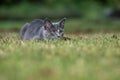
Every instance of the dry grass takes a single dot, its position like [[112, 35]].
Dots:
[[83, 57]]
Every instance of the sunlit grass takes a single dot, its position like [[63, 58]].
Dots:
[[84, 57]]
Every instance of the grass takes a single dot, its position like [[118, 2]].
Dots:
[[71, 25], [84, 57], [30, 11]]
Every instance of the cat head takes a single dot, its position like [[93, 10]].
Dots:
[[54, 30]]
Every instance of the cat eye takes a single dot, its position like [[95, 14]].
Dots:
[[53, 30], [52, 33], [61, 31]]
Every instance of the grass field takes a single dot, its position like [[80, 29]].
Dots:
[[84, 57], [71, 25]]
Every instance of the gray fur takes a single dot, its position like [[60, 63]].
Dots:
[[42, 29]]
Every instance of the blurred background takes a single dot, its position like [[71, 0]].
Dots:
[[83, 16]]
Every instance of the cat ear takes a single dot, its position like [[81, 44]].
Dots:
[[47, 23], [62, 22]]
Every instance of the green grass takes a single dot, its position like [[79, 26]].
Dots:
[[10, 25], [31, 11], [84, 57], [71, 25]]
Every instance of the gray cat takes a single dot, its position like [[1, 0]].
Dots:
[[42, 29]]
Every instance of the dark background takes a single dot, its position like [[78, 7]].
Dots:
[[82, 15]]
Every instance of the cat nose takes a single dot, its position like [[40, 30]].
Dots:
[[58, 36]]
